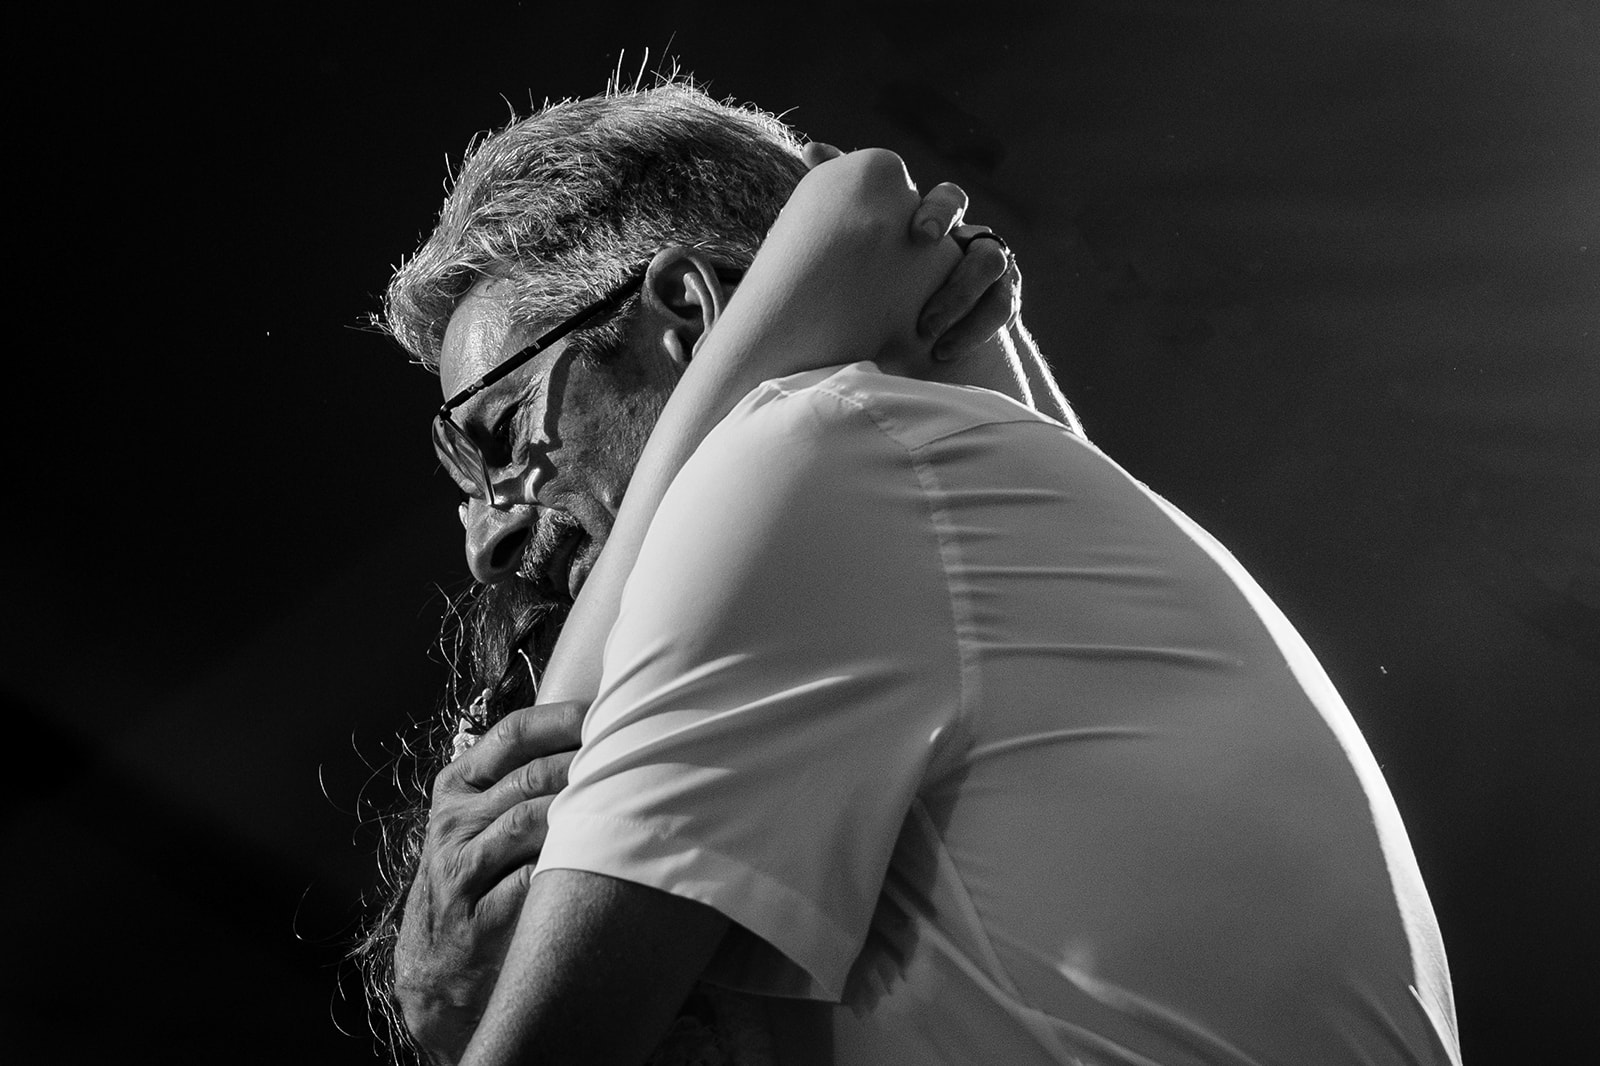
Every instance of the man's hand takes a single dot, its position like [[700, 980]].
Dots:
[[485, 828], [982, 296]]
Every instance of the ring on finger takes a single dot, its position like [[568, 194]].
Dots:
[[996, 238]]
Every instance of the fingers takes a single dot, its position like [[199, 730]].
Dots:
[[994, 311], [480, 835], [541, 777], [491, 806], [514, 839], [940, 212], [474, 838], [817, 153], [981, 296], [500, 906], [516, 740]]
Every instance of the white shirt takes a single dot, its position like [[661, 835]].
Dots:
[[993, 756]]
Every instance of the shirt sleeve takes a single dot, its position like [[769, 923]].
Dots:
[[781, 677]]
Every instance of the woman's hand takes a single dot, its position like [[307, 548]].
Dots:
[[485, 828], [982, 296]]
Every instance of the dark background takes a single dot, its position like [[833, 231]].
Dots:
[[1323, 273]]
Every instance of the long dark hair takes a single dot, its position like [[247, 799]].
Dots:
[[496, 640]]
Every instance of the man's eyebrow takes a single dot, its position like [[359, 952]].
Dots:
[[487, 406]]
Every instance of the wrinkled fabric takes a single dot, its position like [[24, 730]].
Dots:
[[992, 755]]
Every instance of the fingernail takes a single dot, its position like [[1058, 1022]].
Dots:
[[932, 228]]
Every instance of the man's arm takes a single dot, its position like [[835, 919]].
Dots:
[[600, 968]]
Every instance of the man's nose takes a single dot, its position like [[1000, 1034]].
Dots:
[[497, 537]]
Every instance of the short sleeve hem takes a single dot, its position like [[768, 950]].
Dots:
[[816, 952]]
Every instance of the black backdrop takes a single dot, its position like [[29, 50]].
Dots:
[[1322, 272]]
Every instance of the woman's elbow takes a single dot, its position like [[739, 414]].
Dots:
[[865, 193]]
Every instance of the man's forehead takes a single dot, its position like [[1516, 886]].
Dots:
[[481, 333]]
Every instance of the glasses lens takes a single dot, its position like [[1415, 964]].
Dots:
[[460, 456]]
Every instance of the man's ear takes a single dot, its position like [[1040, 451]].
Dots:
[[681, 300]]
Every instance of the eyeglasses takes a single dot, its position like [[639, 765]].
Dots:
[[456, 449]]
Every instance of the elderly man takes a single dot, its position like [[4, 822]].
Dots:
[[919, 721]]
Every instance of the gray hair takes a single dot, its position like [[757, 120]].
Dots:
[[566, 203]]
